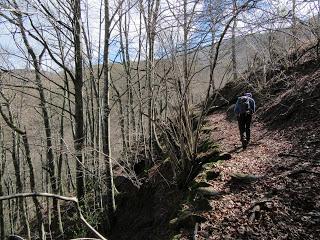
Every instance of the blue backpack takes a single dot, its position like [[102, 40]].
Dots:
[[244, 104]]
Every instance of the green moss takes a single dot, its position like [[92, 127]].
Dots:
[[244, 178], [207, 145], [173, 221], [176, 237], [184, 213], [185, 219], [208, 157], [199, 184], [219, 162], [206, 129], [209, 166]]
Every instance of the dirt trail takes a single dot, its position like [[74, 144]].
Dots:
[[278, 196], [261, 154]]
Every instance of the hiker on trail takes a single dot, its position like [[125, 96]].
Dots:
[[244, 109]]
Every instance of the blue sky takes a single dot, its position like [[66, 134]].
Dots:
[[165, 26]]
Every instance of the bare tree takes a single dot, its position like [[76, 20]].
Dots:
[[45, 114], [2, 169], [26, 145], [110, 205], [78, 85], [150, 14], [233, 44]]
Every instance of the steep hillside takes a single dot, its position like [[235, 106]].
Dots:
[[268, 191]]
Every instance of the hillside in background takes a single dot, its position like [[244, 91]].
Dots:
[[253, 52]]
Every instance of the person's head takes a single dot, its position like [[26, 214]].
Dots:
[[248, 94]]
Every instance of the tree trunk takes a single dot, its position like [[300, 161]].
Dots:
[[110, 201], [294, 25], [2, 167], [78, 116], [150, 21], [141, 118], [33, 186], [23, 134], [233, 46], [45, 115]]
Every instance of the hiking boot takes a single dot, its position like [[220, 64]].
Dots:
[[244, 144]]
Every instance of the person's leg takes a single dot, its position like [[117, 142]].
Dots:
[[247, 127], [242, 126]]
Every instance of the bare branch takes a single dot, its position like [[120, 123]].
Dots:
[[50, 195]]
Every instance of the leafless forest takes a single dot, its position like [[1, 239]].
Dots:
[[91, 88]]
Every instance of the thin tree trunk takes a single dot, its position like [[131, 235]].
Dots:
[[9, 209], [33, 186], [2, 168], [124, 47], [143, 138], [294, 25], [233, 38], [110, 201], [78, 116], [60, 161], [127, 148], [17, 171], [23, 134], [121, 121], [212, 48], [45, 115], [2, 232], [150, 21]]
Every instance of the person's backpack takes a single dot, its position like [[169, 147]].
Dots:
[[244, 104]]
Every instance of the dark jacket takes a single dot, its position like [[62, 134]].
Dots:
[[251, 102]]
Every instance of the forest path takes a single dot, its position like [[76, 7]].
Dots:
[[261, 154], [269, 178]]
